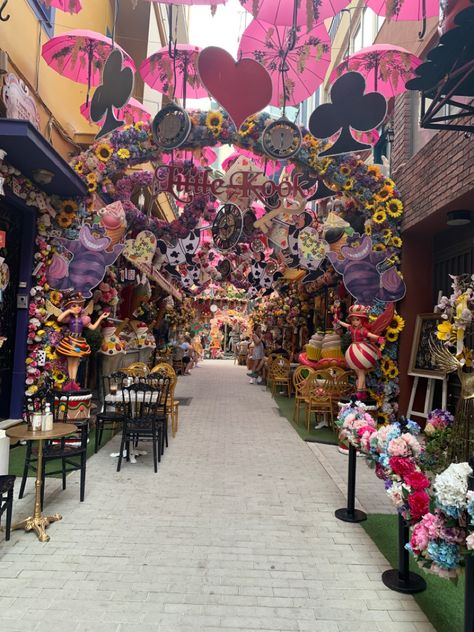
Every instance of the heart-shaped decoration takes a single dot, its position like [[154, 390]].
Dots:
[[141, 250], [242, 87]]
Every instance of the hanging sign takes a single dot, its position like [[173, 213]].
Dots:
[[175, 180]]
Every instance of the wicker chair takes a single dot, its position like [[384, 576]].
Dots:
[[318, 396], [300, 383], [172, 407], [281, 374]]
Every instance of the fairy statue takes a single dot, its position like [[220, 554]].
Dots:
[[363, 353], [73, 346]]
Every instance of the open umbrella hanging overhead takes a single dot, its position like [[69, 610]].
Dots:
[[80, 55], [297, 12], [296, 61], [68, 6], [418, 10], [175, 76], [133, 112], [386, 68]]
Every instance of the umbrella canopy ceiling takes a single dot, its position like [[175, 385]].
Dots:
[[295, 73], [385, 68], [161, 72], [68, 6], [133, 112]]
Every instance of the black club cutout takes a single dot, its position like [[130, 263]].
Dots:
[[350, 109], [114, 92]]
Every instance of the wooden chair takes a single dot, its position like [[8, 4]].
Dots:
[[340, 386], [318, 396], [6, 501], [269, 368], [300, 383], [172, 407], [281, 374], [137, 369]]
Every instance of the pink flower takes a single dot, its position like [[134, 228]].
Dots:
[[419, 503], [417, 480], [397, 447], [419, 538], [402, 466], [412, 442]]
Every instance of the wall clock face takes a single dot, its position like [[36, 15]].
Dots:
[[171, 127], [227, 227], [281, 139]]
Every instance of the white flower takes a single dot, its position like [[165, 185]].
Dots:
[[470, 542], [451, 485], [396, 494]]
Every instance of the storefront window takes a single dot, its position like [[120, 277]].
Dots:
[[44, 14]]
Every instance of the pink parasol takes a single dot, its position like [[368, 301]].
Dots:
[[280, 12], [158, 71], [405, 9], [69, 6], [131, 113], [80, 55], [295, 73], [212, 3], [386, 68]]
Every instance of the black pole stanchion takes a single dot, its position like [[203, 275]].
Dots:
[[469, 578], [350, 513], [402, 579]]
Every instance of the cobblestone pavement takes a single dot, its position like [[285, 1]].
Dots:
[[235, 533]]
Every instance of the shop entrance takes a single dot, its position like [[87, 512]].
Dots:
[[10, 254]]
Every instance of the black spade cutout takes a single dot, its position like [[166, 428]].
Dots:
[[350, 109], [323, 192], [114, 92]]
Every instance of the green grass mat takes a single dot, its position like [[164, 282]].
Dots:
[[286, 405], [17, 455], [442, 601]]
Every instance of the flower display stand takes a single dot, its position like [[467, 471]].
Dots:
[[402, 579]]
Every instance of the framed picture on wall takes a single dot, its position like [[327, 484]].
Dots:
[[421, 363]]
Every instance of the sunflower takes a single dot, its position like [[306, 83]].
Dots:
[[91, 178], [309, 139], [388, 182], [214, 121], [368, 229], [325, 164], [382, 419], [104, 152], [59, 377], [139, 125], [384, 194], [64, 221], [373, 170], [379, 247], [55, 297], [51, 353], [385, 364], [369, 207], [123, 153], [69, 207], [397, 324], [395, 207], [348, 184], [247, 126], [380, 216], [393, 372], [79, 167], [345, 170], [397, 242], [386, 235], [391, 336], [92, 186]]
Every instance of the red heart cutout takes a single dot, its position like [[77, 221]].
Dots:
[[242, 87]]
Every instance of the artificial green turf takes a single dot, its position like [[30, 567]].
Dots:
[[17, 456], [442, 601], [286, 406]]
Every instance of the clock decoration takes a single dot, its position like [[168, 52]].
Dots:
[[171, 126], [281, 139], [227, 227]]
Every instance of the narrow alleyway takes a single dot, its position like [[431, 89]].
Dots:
[[235, 533]]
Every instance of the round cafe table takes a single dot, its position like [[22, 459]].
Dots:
[[38, 522]]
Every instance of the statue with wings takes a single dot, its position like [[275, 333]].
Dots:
[[462, 438], [73, 314]]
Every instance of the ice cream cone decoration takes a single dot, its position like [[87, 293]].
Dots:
[[112, 218]]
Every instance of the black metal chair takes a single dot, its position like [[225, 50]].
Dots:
[[109, 416], [70, 450], [6, 501], [145, 417]]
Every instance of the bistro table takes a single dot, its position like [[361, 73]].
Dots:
[[38, 522]]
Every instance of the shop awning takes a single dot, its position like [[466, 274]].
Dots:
[[29, 152]]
